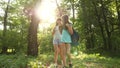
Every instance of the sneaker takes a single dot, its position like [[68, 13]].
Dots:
[[55, 66], [70, 65], [65, 67]]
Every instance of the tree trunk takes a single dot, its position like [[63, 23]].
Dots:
[[118, 11], [86, 25], [73, 11], [59, 9], [32, 37], [92, 37], [4, 48], [106, 26], [100, 25]]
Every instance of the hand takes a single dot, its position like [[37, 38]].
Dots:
[[67, 25]]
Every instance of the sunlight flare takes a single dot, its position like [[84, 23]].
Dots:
[[45, 11]]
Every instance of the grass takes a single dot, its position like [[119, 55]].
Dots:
[[79, 60], [12, 61], [95, 61]]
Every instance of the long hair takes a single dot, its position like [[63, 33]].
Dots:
[[65, 20], [58, 19], [60, 28]]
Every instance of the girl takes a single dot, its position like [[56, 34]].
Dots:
[[57, 39], [66, 40]]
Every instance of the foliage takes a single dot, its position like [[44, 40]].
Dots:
[[16, 26], [95, 61], [13, 61], [45, 41], [97, 21], [81, 60]]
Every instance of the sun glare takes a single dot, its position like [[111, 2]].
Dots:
[[45, 11]]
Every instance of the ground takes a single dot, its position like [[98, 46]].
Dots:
[[82, 60]]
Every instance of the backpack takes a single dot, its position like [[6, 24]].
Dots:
[[75, 38]]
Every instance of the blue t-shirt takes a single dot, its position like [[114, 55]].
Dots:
[[66, 37]]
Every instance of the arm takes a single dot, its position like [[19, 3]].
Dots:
[[60, 29], [53, 31], [70, 30]]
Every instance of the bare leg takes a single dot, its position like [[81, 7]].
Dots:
[[63, 53], [56, 51], [68, 48], [60, 52]]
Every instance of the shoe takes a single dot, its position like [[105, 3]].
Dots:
[[55, 66], [65, 67], [70, 65]]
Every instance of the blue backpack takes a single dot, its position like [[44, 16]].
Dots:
[[75, 38]]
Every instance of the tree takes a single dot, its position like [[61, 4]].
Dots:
[[32, 31], [117, 2], [4, 48], [71, 6], [98, 23], [32, 36]]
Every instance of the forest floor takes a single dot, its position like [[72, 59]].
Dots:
[[81, 60]]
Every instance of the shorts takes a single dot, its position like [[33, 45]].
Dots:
[[57, 41]]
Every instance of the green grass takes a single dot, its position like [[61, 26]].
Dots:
[[79, 60], [13, 61], [95, 61]]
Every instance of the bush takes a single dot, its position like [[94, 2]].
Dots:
[[13, 61]]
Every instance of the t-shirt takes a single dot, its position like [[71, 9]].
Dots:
[[57, 34], [66, 37]]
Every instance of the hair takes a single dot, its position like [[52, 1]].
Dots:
[[60, 28], [58, 19], [65, 20]]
